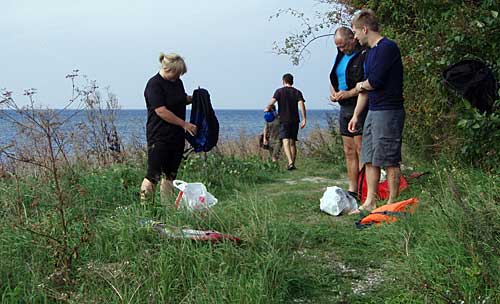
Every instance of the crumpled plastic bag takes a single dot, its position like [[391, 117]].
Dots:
[[383, 176], [336, 201], [194, 196]]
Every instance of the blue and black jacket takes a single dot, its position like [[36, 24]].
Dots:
[[354, 74]]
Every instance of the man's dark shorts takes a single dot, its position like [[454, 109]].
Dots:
[[382, 138], [345, 115], [289, 130], [163, 159]]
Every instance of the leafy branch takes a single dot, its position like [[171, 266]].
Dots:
[[295, 44]]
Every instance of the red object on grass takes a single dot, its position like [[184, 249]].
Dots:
[[383, 187], [193, 234], [178, 199]]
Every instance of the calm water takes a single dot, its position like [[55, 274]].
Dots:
[[233, 123]]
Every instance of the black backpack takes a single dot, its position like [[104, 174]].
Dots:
[[475, 81], [203, 116]]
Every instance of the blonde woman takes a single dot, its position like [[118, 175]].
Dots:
[[166, 102]]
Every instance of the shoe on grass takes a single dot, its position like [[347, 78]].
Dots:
[[354, 194]]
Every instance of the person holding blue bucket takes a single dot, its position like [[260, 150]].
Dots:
[[271, 137]]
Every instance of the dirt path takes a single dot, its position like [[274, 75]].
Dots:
[[327, 276]]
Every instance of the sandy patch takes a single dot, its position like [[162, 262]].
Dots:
[[317, 180]]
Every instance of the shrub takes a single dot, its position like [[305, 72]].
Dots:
[[481, 140]]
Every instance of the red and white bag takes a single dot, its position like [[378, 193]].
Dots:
[[193, 196]]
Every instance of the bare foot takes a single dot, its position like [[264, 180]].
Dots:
[[355, 211], [368, 207], [364, 207]]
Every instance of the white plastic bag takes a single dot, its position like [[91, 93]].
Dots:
[[336, 201], [195, 196], [383, 175]]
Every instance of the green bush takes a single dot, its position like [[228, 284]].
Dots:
[[481, 141]]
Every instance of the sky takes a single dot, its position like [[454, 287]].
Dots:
[[227, 46]]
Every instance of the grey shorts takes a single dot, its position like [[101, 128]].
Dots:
[[382, 138]]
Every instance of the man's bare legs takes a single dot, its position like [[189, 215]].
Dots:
[[372, 180], [287, 149], [293, 150], [352, 156], [393, 178], [357, 141]]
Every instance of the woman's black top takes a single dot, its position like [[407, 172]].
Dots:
[[171, 94]]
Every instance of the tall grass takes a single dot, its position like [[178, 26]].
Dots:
[[447, 252], [127, 261], [454, 252]]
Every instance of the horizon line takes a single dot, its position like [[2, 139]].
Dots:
[[215, 109]]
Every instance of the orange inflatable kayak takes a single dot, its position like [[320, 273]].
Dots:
[[388, 213]]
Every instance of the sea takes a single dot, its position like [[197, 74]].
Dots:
[[131, 123]]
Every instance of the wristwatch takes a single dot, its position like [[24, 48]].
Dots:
[[360, 86]]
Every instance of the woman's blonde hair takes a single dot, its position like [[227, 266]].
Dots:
[[173, 63]]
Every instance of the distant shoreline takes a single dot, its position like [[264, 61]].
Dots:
[[130, 123], [216, 109]]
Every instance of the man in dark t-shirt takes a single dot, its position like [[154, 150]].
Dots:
[[289, 100]]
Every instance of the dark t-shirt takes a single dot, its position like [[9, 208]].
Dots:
[[288, 99], [171, 94], [384, 70]]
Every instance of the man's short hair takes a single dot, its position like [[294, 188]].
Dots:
[[288, 78], [366, 17], [344, 32]]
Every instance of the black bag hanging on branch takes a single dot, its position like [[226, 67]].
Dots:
[[475, 82]]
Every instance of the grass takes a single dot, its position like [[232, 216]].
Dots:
[[291, 252]]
